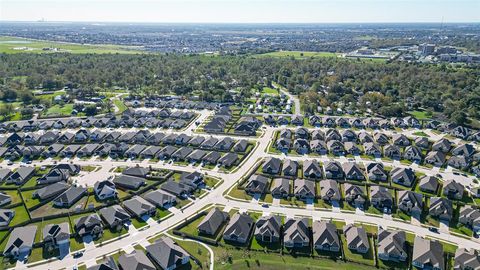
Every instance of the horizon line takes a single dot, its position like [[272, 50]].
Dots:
[[291, 23]]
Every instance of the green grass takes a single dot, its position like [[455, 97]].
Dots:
[[8, 45], [110, 234], [57, 110], [420, 133], [297, 54], [367, 258], [138, 223], [76, 244], [21, 215], [268, 90], [420, 115], [120, 105], [198, 251]]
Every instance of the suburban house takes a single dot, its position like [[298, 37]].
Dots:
[[56, 235], [296, 233], [6, 215], [267, 229], [20, 242], [212, 222], [114, 217], [441, 208], [70, 196], [376, 172], [167, 254], [410, 202], [413, 153], [280, 188], [312, 169], [318, 147], [257, 184], [400, 140], [352, 171], [5, 199], [357, 239], [329, 191], [402, 176], [160, 199], [470, 217], [333, 170], [139, 207], [304, 189], [50, 191], [272, 165], [178, 189], [135, 260], [239, 228], [105, 190], [453, 190], [428, 184], [21, 175], [422, 142], [392, 151], [380, 197], [89, 225], [427, 254], [129, 182], [443, 145], [325, 236], [290, 168], [354, 195], [435, 158], [466, 259], [392, 245]]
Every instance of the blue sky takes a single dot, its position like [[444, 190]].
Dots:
[[252, 11]]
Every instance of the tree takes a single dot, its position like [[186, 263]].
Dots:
[[91, 110], [26, 112], [26, 97]]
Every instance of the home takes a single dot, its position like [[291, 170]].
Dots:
[[280, 188], [139, 207], [178, 189], [364, 137], [257, 184], [381, 138], [167, 254], [129, 182], [105, 190], [267, 229], [381, 198], [304, 189], [413, 153], [224, 144], [349, 136], [410, 202], [89, 225], [440, 208], [193, 179], [53, 176], [428, 184], [435, 158], [56, 235], [335, 147], [296, 233], [150, 152], [70, 150], [135, 260], [353, 171], [332, 135], [228, 160], [372, 149], [318, 147], [160, 199], [272, 165], [352, 149], [466, 150], [392, 245], [466, 259], [354, 195], [329, 191], [20, 242], [392, 151], [212, 222], [182, 153], [453, 190], [357, 239], [333, 170], [400, 140], [212, 158], [5, 199], [301, 146], [70, 196], [166, 152], [470, 217], [238, 228], [301, 133], [50, 191], [52, 150], [459, 162], [325, 236], [427, 254], [6, 215], [443, 145], [290, 168], [317, 134], [403, 176], [115, 217], [240, 146], [376, 172], [312, 169]]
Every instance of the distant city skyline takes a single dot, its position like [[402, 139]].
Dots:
[[242, 11]]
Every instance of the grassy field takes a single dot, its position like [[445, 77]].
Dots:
[[420, 115], [297, 54], [120, 105], [268, 90], [21, 45], [57, 110]]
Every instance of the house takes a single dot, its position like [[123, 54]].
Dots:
[[196, 141], [247, 125], [318, 147], [352, 149], [466, 259], [21, 175], [470, 216], [5, 199], [392, 151], [139, 207], [335, 148], [349, 136], [296, 233], [440, 208], [272, 165], [257, 184], [285, 133], [193, 179], [304, 189], [238, 228], [240, 146], [167, 254], [410, 202], [160, 199], [333, 170], [312, 169], [297, 120], [427, 254], [53, 176], [129, 182], [56, 235], [150, 152], [301, 133], [115, 217], [459, 162], [317, 134], [4, 173], [428, 184], [166, 152], [376, 172], [364, 137], [325, 236], [372, 149], [267, 229], [413, 153], [182, 153], [380, 197], [357, 239], [87, 150], [290, 168], [178, 189], [105, 190], [392, 245], [422, 142], [354, 195], [403, 176], [89, 225], [134, 151], [435, 158], [329, 191], [212, 222], [52, 150], [461, 132], [224, 144], [70, 196], [6, 215], [70, 150], [228, 160], [280, 188], [381, 138], [400, 140], [212, 158], [135, 260], [443, 145], [301, 146], [352, 171], [20, 242], [453, 190], [50, 191], [466, 150], [332, 135]]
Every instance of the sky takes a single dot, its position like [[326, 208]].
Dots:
[[242, 11]]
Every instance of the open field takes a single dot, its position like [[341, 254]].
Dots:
[[21, 45], [297, 54]]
